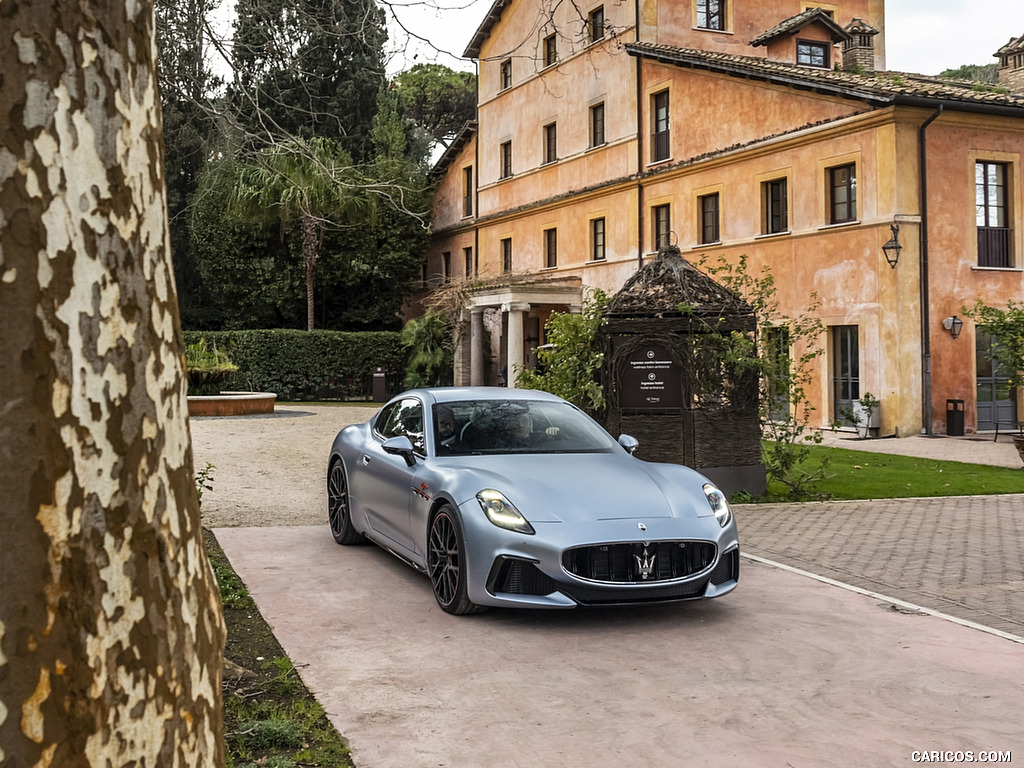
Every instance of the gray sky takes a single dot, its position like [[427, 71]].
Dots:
[[923, 36]]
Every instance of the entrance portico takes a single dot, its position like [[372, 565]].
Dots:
[[505, 324]]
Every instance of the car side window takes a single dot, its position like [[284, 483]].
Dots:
[[403, 418]]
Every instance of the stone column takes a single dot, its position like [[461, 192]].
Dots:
[[476, 346], [516, 315]]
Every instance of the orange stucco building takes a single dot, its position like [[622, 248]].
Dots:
[[766, 129]]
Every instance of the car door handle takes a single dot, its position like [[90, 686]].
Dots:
[[366, 460]]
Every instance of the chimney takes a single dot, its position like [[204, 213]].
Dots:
[[859, 50], [1011, 65]]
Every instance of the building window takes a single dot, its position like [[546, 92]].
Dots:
[[550, 51], [597, 239], [776, 213], [990, 193], [446, 266], [506, 254], [467, 191], [467, 254], [842, 182], [506, 160], [711, 14], [506, 74], [660, 127], [707, 206], [811, 53], [597, 125], [662, 226], [595, 24], [550, 248], [550, 143], [845, 369]]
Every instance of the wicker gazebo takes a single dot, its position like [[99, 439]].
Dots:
[[665, 379]]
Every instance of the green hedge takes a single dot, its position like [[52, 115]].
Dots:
[[309, 365]]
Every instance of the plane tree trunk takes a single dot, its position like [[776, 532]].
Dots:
[[111, 635]]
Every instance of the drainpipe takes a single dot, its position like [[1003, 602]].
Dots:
[[926, 345], [639, 63]]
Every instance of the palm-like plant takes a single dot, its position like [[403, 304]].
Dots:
[[312, 182]]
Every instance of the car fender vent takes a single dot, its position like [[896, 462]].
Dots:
[[519, 577]]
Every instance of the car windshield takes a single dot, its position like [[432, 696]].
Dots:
[[515, 426]]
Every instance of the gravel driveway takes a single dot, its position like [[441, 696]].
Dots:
[[272, 469]]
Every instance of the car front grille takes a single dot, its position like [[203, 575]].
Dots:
[[638, 563]]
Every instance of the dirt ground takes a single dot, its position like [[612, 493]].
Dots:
[[273, 482]]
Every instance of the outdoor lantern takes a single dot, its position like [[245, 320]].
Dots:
[[892, 248], [954, 325]]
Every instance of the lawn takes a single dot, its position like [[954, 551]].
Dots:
[[864, 475]]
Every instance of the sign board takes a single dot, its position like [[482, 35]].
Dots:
[[650, 379]]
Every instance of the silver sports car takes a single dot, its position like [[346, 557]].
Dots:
[[511, 497]]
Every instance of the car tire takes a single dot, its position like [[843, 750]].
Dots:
[[446, 563], [339, 510]]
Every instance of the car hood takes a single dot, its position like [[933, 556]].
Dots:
[[587, 487]]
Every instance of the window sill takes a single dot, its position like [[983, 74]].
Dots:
[[659, 162], [978, 268], [768, 235], [705, 245], [840, 225], [715, 31]]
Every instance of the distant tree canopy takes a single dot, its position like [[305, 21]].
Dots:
[[298, 72], [980, 73], [440, 99]]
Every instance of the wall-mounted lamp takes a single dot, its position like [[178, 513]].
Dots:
[[892, 248], [954, 325]]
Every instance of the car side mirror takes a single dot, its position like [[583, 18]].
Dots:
[[629, 442], [400, 446]]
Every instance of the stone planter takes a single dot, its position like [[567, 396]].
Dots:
[[231, 404], [864, 424]]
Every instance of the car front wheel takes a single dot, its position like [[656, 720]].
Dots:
[[339, 513], [446, 563]]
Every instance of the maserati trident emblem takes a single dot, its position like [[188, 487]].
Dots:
[[645, 563], [641, 526]]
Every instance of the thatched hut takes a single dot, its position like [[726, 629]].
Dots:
[[665, 379]]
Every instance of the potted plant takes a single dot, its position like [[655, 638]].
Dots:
[[207, 368], [1006, 327]]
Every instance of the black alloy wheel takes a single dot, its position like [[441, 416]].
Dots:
[[446, 563], [339, 514]]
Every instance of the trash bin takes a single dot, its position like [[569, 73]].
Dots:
[[380, 390], [955, 418]]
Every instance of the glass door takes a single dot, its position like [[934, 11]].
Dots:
[[994, 396]]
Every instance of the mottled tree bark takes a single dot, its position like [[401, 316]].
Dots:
[[111, 634]]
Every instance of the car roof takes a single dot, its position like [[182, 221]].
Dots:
[[456, 394]]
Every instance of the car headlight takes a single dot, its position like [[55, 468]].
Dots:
[[502, 512], [718, 504]]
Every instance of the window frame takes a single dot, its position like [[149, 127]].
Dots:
[[506, 254], [826, 53], [505, 170], [446, 266], [995, 240], [595, 25], [505, 75], [661, 126], [597, 125], [467, 191], [706, 17], [467, 254], [551, 248], [842, 211], [550, 143], [775, 196], [709, 229], [661, 225], [598, 239], [550, 49]]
